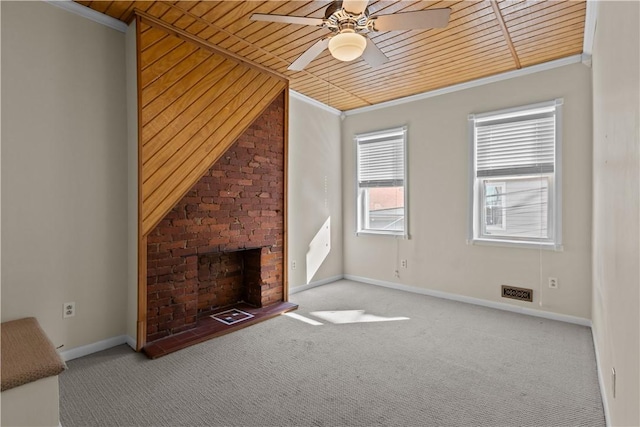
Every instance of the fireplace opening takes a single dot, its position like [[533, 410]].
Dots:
[[228, 278], [227, 291]]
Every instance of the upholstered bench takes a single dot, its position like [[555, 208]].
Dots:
[[30, 368]]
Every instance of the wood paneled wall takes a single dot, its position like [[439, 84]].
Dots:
[[195, 102]]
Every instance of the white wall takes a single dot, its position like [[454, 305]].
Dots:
[[616, 214], [65, 166], [438, 149], [64, 173], [315, 192]]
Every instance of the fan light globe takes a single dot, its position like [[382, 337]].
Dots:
[[347, 46]]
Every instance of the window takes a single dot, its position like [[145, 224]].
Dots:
[[516, 176], [381, 180]]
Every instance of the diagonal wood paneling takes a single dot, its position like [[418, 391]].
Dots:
[[195, 102]]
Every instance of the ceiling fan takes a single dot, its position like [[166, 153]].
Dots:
[[349, 21]]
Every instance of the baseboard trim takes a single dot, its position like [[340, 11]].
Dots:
[[475, 301], [296, 289], [95, 347], [603, 391], [88, 349]]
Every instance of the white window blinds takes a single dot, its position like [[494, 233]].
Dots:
[[516, 181], [520, 145], [381, 159]]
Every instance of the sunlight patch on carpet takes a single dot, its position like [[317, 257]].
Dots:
[[352, 316], [303, 319]]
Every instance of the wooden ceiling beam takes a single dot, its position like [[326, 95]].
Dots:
[[505, 33]]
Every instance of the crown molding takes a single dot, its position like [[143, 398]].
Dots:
[[590, 21], [575, 59], [314, 102], [100, 18]]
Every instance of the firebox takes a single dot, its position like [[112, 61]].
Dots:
[[228, 278]]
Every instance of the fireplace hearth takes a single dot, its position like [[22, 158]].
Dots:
[[208, 328]]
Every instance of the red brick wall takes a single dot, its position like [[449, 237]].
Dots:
[[237, 204]]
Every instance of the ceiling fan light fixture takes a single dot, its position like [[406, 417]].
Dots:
[[347, 45]]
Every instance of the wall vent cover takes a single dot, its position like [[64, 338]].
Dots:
[[521, 294]]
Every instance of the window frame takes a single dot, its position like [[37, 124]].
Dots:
[[476, 234], [362, 194]]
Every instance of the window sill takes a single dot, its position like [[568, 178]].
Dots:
[[516, 244], [398, 234]]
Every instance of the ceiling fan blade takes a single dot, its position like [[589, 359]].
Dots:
[[285, 19], [356, 7], [309, 55], [373, 55], [419, 20]]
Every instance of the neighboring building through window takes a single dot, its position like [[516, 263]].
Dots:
[[381, 180], [495, 206], [516, 175]]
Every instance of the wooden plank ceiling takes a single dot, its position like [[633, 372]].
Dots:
[[483, 38]]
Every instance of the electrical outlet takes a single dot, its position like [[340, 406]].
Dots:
[[403, 263], [397, 273], [553, 282], [293, 265], [68, 309]]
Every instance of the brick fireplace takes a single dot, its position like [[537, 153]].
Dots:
[[223, 243]]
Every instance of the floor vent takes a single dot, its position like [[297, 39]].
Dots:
[[232, 316], [521, 294]]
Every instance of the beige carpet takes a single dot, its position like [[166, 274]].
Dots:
[[448, 364]]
